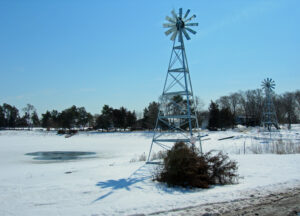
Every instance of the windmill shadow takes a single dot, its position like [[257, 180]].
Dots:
[[140, 175]]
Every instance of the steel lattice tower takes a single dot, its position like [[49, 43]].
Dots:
[[269, 114], [177, 113]]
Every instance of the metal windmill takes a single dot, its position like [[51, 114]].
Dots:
[[269, 114], [177, 113]]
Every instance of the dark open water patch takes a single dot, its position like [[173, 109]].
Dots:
[[61, 155]]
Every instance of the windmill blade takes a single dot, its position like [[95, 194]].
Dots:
[[191, 24], [170, 31], [186, 34], [192, 17], [180, 12], [174, 35], [174, 14], [186, 13], [170, 19], [191, 30], [168, 25], [273, 84]]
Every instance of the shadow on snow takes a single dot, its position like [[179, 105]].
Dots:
[[140, 175]]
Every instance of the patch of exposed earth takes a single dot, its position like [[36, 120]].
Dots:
[[283, 203]]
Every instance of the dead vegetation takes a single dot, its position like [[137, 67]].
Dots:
[[278, 146], [185, 166]]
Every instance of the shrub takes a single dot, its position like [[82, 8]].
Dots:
[[184, 166], [70, 132], [158, 155], [142, 157], [61, 132]]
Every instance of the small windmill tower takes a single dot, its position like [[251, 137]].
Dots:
[[177, 114], [269, 115]]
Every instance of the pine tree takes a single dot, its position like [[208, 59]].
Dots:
[[150, 115], [35, 119], [214, 116]]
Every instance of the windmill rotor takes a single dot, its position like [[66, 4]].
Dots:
[[178, 25], [268, 84]]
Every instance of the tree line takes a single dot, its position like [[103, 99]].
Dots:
[[77, 117], [243, 107], [246, 107]]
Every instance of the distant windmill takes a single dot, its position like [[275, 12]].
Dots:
[[177, 115], [269, 113]]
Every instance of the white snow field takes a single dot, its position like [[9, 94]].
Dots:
[[113, 184]]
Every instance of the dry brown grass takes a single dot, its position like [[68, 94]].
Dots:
[[278, 146]]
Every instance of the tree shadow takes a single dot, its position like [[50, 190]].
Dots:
[[140, 175]]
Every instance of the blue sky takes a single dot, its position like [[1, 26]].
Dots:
[[59, 53]]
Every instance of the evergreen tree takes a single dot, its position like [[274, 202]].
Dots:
[[46, 120], [107, 111], [214, 116], [35, 119], [69, 117], [150, 115], [55, 119], [130, 119], [119, 117], [11, 115], [84, 118], [123, 113], [226, 119], [23, 121], [2, 117], [104, 121]]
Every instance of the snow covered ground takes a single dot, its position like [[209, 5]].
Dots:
[[111, 184]]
